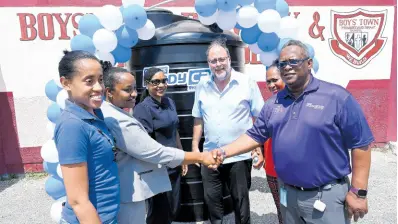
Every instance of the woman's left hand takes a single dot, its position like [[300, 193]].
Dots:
[[184, 170]]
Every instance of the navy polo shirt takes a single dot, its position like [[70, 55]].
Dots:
[[82, 137], [159, 119], [311, 135]]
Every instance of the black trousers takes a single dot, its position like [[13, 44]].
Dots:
[[164, 207], [237, 176]]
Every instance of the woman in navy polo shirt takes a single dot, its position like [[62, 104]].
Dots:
[[85, 145], [158, 115]]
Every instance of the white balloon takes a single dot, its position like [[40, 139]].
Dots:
[[50, 128], [56, 209], [110, 17], [255, 49], [148, 31], [49, 152], [59, 171], [269, 21], [226, 20], [127, 3], [288, 28], [247, 16], [267, 58], [208, 20], [105, 56], [61, 97], [105, 40]]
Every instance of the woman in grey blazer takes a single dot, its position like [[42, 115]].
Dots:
[[141, 160]]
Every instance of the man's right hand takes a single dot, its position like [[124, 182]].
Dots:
[[211, 160]]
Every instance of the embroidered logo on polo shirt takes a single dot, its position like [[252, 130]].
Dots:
[[316, 107], [278, 109]]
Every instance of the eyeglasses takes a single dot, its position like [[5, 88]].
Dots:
[[291, 62], [221, 60], [157, 82]]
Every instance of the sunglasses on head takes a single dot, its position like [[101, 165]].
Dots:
[[157, 82], [221, 60], [291, 62]]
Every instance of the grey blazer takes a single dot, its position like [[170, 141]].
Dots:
[[142, 160]]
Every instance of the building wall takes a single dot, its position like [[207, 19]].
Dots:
[[34, 33]]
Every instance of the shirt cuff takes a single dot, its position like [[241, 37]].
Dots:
[[178, 158]]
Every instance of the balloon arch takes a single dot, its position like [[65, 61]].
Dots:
[[265, 25]]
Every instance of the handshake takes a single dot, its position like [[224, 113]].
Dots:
[[212, 159]]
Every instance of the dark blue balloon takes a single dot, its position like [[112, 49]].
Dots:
[[250, 35], [206, 8], [89, 24], [268, 41], [83, 43], [55, 188], [282, 7], [227, 5], [281, 43], [53, 112], [262, 5], [121, 54], [315, 65], [126, 37], [134, 16], [311, 51], [52, 90]]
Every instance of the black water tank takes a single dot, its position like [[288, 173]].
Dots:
[[179, 47]]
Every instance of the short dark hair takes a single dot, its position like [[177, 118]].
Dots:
[[218, 42], [275, 63], [148, 77], [299, 44], [66, 66], [112, 75]]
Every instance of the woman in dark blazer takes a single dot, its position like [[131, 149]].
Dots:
[[158, 115]]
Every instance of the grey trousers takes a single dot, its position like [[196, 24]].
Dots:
[[300, 205], [132, 213]]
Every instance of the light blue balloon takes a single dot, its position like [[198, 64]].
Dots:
[[89, 24], [52, 90], [262, 5], [237, 26], [53, 112], [83, 43], [281, 43], [50, 168], [134, 16], [206, 8], [245, 2], [311, 51], [126, 37], [282, 7], [227, 5], [55, 188], [121, 9], [268, 41], [315, 65], [121, 54], [250, 35]]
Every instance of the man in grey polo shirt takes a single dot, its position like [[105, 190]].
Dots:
[[313, 125], [224, 108]]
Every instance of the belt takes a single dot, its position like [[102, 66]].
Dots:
[[337, 181]]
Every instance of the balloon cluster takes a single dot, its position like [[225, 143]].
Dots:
[[112, 31], [265, 25], [54, 185]]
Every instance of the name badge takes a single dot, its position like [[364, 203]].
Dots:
[[283, 196]]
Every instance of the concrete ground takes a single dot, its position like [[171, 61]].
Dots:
[[24, 200]]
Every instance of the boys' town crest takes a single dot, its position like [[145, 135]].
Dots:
[[357, 36]]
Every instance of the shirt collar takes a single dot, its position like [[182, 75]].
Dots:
[[161, 104], [312, 86], [82, 113]]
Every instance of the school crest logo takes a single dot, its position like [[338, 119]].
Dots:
[[357, 37]]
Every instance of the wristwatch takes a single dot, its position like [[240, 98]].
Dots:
[[361, 193]]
